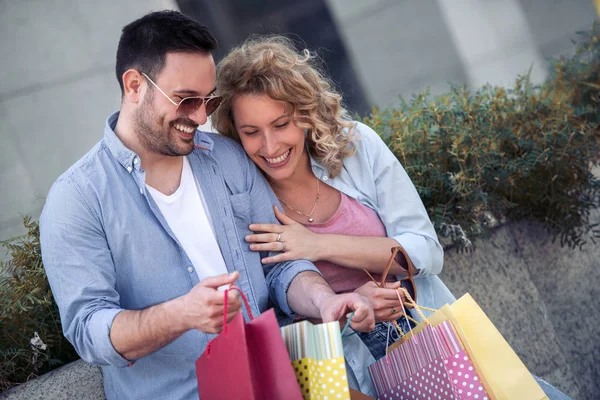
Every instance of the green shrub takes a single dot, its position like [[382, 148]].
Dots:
[[499, 154], [31, 339]]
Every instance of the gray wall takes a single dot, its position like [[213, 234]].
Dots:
[[57, 86], [399, 47]]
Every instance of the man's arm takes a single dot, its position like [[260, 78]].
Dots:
[[311, 296], [135, 334], [80, 269]]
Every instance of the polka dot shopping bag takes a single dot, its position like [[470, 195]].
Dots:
[[318, 359]]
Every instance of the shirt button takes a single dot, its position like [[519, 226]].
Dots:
[[141, 190], [129, 169], [190, 270], [136, 161], [325, 178]]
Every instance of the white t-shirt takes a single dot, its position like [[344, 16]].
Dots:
[[188, 218]]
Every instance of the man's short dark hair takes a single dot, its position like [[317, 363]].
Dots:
[[145, 42]]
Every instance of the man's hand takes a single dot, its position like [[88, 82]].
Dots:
[[203, 306], [338, 307], [384, 300]]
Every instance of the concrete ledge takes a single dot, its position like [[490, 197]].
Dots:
[[77, 380]]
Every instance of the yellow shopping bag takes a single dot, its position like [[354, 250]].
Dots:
[[502, 372]]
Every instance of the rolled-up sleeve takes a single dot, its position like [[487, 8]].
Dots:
[[81, 273], [279, 276], [400, 207]]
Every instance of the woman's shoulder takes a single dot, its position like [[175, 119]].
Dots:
[[365, 140]]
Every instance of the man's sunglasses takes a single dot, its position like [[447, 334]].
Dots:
[[189, 105]]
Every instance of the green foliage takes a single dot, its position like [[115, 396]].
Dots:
[[499, 154], [31, 339]]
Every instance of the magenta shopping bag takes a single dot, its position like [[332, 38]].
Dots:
[[247, 361]]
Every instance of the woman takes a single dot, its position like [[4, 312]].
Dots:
[[348, 201]]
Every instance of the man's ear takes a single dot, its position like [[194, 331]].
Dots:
[[132, 85]]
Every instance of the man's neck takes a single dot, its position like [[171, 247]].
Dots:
[[163, 172]]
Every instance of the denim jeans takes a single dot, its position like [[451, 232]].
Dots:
[[383, 335], [552, 392]]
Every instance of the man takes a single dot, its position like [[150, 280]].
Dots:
[[140, 233]]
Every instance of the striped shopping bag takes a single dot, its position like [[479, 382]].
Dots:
[[428, 364], [431, 365]]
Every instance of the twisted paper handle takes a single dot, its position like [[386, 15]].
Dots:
[[225, 306]]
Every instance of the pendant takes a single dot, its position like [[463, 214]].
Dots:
[[311, 219]]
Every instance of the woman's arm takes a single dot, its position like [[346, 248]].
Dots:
[[399, 205], [359, 252]]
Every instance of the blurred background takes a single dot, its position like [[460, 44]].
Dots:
[[57, 83], [57, 87]]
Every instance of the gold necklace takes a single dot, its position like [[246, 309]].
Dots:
[[309, 215]]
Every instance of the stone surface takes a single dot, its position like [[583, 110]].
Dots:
[[77, 380], [542, 297]]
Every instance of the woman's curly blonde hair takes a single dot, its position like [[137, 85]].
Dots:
[[271, 65]]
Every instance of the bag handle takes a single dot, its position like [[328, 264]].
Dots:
[[225, 306], [410, 300], [388, 266], [409, 270]]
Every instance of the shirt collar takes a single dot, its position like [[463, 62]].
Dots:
[[126, 157]]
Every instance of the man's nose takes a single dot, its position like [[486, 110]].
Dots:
[[199, 116]]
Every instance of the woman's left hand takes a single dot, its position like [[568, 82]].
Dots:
[[295, 241]]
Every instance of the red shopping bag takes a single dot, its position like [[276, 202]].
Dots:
[[247, 361]]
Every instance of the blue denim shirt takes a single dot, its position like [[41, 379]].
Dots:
[[106, 248], [374, 177]]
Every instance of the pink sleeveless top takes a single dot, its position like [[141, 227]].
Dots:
[[351, 218]]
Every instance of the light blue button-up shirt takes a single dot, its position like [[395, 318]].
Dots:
[[374, 177], [106, 248]]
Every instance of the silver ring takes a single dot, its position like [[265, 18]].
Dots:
[[283, 248], [393, 311], [278, 237]]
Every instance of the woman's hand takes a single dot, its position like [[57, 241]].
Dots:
[[384, 300], [295, 241]]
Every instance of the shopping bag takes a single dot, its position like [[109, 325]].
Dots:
[[247, 361], [502, 368], [502, 373], [318, 359], [430, 365]]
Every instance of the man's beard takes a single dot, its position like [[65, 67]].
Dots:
[[154, 137]]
